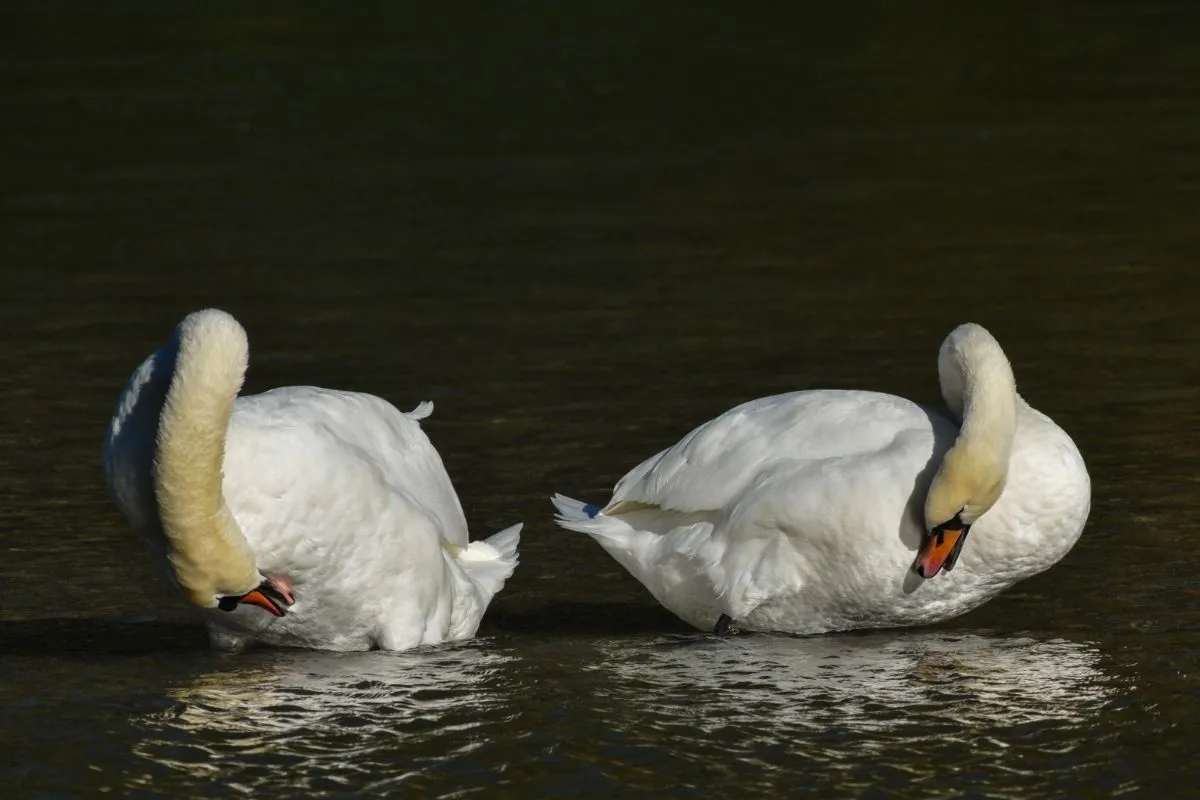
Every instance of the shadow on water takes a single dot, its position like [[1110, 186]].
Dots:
[[88, 638], [581, 619], [93, 637]]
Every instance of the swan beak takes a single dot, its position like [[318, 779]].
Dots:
[[941, 549], [269, 596], [263, 600]]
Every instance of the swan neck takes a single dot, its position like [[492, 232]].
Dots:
[[989, 411], [979, 387], [208, 552]]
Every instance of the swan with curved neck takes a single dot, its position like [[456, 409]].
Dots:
[[330, 510], [826, 510]]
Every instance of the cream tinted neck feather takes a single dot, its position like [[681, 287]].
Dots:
[[208, 552], [978, 385]]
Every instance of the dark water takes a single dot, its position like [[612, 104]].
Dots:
[[581, 231]]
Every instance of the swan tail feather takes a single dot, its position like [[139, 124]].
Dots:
[[423, 410], [609, 531], [571, 510], [491, 561]]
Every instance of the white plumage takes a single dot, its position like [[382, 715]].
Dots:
[[334, 497], [804, 512]]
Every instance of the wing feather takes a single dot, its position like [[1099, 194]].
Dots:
[[721, 459]]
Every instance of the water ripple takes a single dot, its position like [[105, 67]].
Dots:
[[320, 722], [863, 711]]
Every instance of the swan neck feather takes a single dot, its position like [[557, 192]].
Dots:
[[978, 385], [209, 554]]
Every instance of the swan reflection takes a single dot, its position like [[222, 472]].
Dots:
[[862, 683], [332, 719], [609, 717]]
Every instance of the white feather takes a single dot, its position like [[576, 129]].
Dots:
[[803, 512], [339, 492]]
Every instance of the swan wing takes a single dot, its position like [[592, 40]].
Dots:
[[818, 435], [351, 457]]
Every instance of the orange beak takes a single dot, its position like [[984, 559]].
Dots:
[[260, 599], [272, 595], [941, 549]]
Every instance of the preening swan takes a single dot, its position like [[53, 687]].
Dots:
[[330, 511], [821, 511]]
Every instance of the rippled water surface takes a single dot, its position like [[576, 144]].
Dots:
[[695, 715], [581, 231]]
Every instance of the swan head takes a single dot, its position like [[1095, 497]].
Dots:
[[273, 595], [979, 387]]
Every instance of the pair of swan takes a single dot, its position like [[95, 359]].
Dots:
[[809, 512]]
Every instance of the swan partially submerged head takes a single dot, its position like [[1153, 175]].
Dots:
[[184, 394], [979, 387]]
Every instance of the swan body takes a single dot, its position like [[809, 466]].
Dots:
[[821, 511], [330, 509]]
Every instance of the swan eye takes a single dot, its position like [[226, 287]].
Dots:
[[955, 523]]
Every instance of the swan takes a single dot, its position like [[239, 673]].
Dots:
[[301, 516], [820, 511]]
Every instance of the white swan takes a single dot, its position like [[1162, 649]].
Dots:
[[821, 511], [330, 510]]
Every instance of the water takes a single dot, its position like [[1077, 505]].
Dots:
[[580, 232]]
